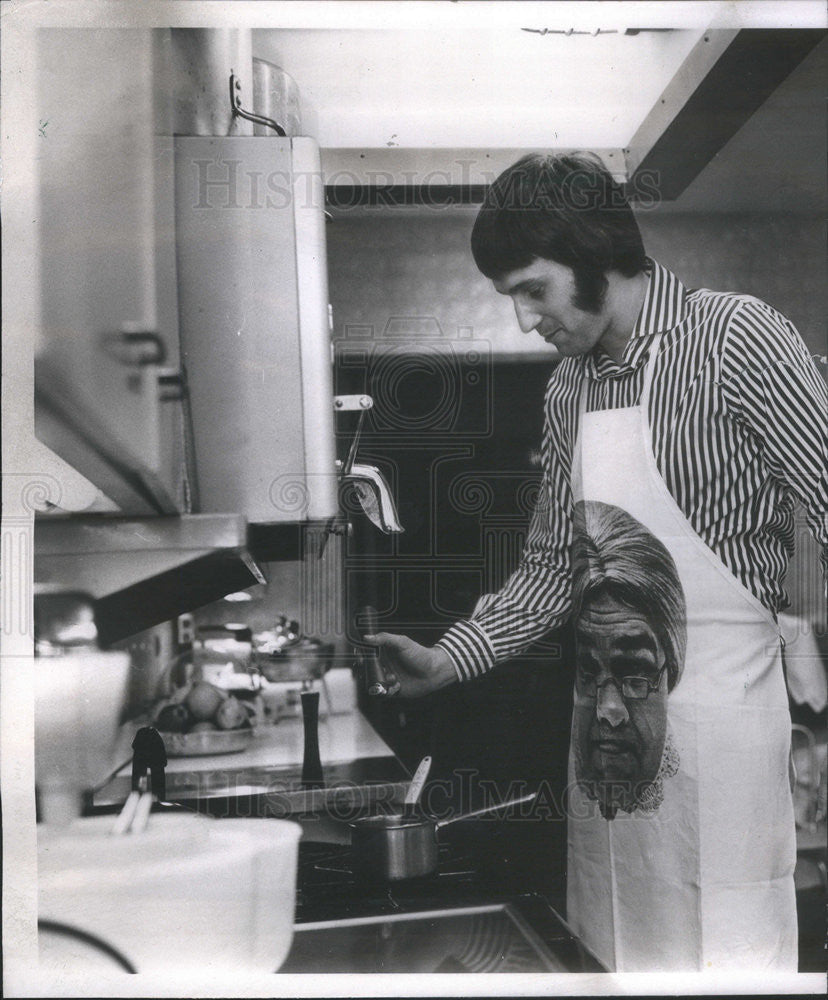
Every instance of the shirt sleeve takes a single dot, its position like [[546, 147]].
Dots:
[[773, 385], [536, 597]]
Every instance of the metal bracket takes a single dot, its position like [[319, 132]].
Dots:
[[344, 403], [362, 404], [171, 384], [368, 482], [238, 110]]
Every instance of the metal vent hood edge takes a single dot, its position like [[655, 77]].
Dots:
[[141, 571]]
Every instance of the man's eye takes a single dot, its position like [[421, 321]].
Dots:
[[588, 666], [629, 667], [535, 292]]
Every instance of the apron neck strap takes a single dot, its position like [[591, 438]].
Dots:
[[644, 399]]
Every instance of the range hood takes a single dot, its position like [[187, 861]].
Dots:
[[141, 571]]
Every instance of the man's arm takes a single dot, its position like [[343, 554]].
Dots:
[[536, 597], [772, 383]]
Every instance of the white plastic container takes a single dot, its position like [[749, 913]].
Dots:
[[188, 896], [79, 698]]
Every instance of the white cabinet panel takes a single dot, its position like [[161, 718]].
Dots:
[[255, 342], [100, 169]]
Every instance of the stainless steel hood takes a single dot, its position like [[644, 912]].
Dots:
[[142, 571]]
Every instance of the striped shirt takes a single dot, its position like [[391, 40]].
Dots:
[[739, 420]]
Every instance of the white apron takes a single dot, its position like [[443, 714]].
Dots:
[[701, 879]]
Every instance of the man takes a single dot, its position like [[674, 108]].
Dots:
[[703, 417], [630, 630]]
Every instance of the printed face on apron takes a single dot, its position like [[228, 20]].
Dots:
[[681, 846], [630, 632]]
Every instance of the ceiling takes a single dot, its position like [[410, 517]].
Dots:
[[482, 87], [413, 102], [777, 160]]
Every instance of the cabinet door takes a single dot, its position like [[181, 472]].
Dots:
[[102, 174], [251, 265]]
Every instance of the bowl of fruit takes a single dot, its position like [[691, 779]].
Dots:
[[203, 719]]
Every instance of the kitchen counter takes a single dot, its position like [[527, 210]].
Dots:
[[341, 738], [359, 770]]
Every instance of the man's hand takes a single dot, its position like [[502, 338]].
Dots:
[[419, 670]]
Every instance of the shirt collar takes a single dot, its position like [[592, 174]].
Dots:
[[665, 304]]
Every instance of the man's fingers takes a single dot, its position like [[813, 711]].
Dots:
[[382, 639], [388, 684]]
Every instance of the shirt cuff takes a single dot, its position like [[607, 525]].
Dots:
[[470, 651]]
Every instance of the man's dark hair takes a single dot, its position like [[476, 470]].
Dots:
[[563, 208]]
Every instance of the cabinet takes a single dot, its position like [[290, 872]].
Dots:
[[139, 284], [138, 238], [255, 340], [108, 303]]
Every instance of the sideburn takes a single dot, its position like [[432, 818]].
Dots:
[[590, 289]]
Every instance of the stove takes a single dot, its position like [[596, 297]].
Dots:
[[328, 888], [458, 919]]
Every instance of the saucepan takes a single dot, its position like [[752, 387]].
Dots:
[[387, 848]]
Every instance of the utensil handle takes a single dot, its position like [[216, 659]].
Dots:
[[142, 813], [127, 814], [412, 796], [486, 809]]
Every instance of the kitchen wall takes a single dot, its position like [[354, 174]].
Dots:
[[406, 264], [386, 264], [306, 590]]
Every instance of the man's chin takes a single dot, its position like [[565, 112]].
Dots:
[[614, 776], [615, 762]]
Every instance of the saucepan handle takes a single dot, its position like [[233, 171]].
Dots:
[[485, 810]]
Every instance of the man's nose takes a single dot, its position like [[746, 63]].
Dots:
[[610, 706], [527, 318]]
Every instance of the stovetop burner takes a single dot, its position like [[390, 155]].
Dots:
[[329, 889]]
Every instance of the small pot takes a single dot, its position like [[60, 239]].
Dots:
[[405, 845]]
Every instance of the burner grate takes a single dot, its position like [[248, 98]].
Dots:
[[328, 888]]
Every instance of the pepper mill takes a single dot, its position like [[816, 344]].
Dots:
[[311, 764], [377, 681]]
